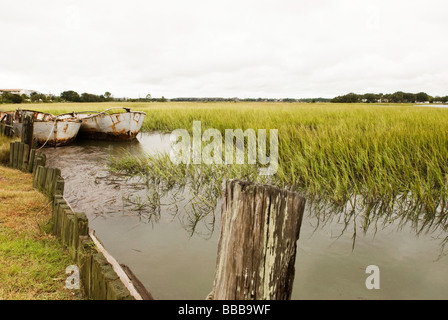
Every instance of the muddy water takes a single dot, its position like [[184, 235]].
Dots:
[[156, 242]]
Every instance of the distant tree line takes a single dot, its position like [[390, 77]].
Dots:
[[66, 96], [147, 99], [397, 97], [69, 96], [235, 99], [7, 97], [73, 96]]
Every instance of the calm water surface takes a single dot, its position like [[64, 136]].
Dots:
[[157, 244]]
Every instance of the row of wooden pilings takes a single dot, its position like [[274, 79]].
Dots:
[[99, 277], [260, 226]]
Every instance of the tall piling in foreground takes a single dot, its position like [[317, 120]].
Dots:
[[260, 226]]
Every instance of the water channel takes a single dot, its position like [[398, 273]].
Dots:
[[156, 242]]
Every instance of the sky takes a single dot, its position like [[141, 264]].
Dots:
[[206, 48]]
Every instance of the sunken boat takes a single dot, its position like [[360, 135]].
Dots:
[[48, 129], [110, 125]]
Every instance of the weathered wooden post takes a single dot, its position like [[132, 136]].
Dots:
[[260, 226], [41, 160], [15, 154], [31, 161], [11, 154], [27, 130], [25, 157], [8, 125]]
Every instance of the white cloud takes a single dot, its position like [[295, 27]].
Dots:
[[228, 48]]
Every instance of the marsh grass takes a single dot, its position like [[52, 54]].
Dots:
[[383, 160]]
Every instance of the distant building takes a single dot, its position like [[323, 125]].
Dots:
[[18, 91]]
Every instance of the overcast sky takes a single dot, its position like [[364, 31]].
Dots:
[[200, 48]]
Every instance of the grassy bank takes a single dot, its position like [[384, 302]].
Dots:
[[32, 263]]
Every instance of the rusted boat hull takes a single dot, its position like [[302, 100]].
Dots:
[[48, 130], [52, 134], [116, 126]]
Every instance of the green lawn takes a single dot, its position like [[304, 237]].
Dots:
[[32, 263]]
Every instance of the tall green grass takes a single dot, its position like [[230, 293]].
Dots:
[[387, 159], [382, 158]]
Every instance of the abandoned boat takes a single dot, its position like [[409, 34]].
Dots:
[[48, 129], [109, 125]]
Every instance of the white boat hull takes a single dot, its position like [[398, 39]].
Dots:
[[48, 130], [116, 126], [52, 133]]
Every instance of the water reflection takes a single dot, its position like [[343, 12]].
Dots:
[[200, 195], [94, 189], [189, 206], [192, 195], [360, 215]]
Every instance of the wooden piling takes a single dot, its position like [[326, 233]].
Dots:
[[48, 178], [27, 129], [8, 125], [82, 223], [15, 154], [257, 246], [25, 157], [80, 228], [98, 288], [59, 185], [36, 177], [31, 160], [42, 178], [60, 220], [19, 155], [41, 160], [84, 260], [11, 154], [57, 201]]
